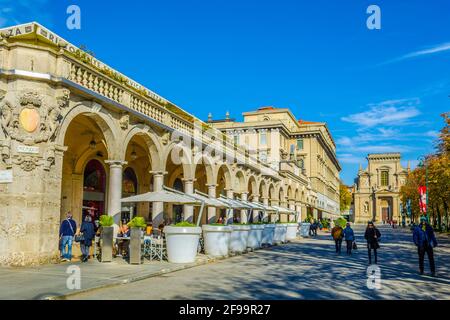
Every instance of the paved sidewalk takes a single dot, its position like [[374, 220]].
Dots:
[[49, 281]]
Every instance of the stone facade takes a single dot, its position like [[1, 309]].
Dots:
[[76, 134], [377, 188], [302, 151]]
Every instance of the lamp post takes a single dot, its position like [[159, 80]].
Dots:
[[423, 162]]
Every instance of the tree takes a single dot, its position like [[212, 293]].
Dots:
[[345, 197]]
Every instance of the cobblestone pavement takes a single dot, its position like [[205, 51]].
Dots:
[[307, 269]]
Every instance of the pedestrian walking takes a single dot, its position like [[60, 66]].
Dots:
[[67, 231], [425, 241], [338, 233], [88, 232], [349, 238], [372, 236]]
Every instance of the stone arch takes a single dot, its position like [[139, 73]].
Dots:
[[179, 155], [152, 142], [204, 161], [240, 182], [252, 186], [263, 189], [103, 120], [224, 178]]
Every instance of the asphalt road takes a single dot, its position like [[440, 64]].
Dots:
[[308, 269]]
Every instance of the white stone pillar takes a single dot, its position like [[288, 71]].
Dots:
[[255, 199], [115, 188], [265, 202], [298, 209], [212, 211], [230, 194], [292, 207], [188, 210], [244, 213], [157, 207]]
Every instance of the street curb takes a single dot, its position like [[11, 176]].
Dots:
[[158, 273]]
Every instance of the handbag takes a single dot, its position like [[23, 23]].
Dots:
[[79, 237], [355, 247]]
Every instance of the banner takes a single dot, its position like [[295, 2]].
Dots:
[[423, 199]]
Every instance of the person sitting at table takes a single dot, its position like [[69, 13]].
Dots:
[[123, 241]]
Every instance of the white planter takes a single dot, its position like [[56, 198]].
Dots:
[[304, 229], [291, 232], [217, 240], [268, 233], [239, 238], [255, 236], [182, 243], [280, 233]]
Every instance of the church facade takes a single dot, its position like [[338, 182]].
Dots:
[[376, 196]]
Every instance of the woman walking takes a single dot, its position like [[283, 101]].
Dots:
[[372, 236], [87, 229], [349, 237]]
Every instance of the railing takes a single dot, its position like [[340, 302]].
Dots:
[[95, 80]]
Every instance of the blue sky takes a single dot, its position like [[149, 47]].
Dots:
[[378, 90]]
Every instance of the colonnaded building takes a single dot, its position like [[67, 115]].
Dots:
[[376, 196], [77, 135]]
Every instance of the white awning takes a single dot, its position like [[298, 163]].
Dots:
[[234, 203], [163, 196], [209, 201], [284, 210]]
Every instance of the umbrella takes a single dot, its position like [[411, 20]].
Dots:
[[163, 196]]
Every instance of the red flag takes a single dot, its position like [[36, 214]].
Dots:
[[423, 199]]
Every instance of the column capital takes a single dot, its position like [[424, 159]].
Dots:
[[116, 163], [188, 180], [212, 185]]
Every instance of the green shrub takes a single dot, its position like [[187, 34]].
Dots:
[[308, 219], [325, 223], [137, 222], [340, 222], [106, 221], [184, 224]]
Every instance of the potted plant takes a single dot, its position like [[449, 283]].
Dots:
[[107, 235], [325, 224], [255, 235], [291, 231], [239, 237], [137, 224], [268, 233], [280, 232], [182, 242], [216, 239], [305, 227]]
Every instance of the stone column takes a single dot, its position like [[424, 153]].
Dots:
[[298, 209], [244, 213], [157, 207], [115, 188], [255, 199], [188, 210], [212, 211], [292, 207], [265, 202], [273, 216], [230, 194]]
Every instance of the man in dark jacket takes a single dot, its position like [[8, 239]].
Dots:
[[372, 236], [338, 233], [425, 241], [67, 230]]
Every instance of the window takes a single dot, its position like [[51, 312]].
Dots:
[[263, 138], [292, 151], [299, 144], [236, 139], [384, 178], [301, 163]]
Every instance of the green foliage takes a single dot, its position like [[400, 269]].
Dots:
[[345, 197], [308, 219], [106, 221], [325, 223], [342, 222], [184, 224], [137, 222]]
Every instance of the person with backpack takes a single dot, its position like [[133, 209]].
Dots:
[[338, 233], [67, 231], [425, 240], [372, 236], [349, 238], [88, 232]]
